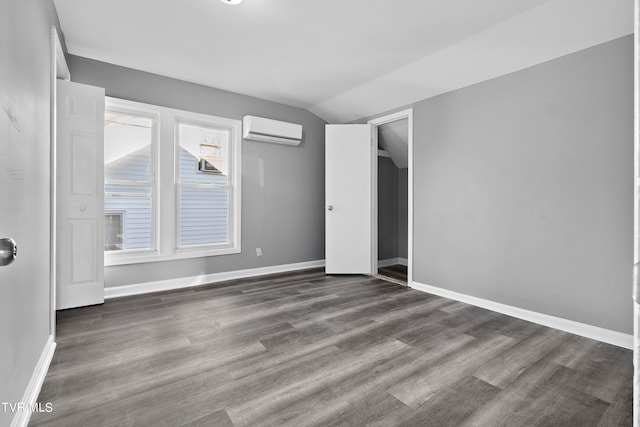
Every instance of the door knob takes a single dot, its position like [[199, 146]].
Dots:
[[8, 251], [329, 208]]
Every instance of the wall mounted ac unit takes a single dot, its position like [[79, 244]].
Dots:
[[267, 130]]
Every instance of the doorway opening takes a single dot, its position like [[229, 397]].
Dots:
[[393, 201]]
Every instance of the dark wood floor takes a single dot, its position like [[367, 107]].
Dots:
[[396, 271], [305, 349]]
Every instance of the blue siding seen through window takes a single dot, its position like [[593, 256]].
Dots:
[[204, 214], [134, 201], [203, 197]]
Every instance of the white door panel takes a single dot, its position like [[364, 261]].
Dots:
[[80, 195], [348, 189]]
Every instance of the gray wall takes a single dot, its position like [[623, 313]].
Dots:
[[392, 210], [282, 186], [524, 188], [387, 209], [24, 165]]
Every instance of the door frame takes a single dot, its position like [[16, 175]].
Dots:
[[636, 216], [58, 70], [388, 118]]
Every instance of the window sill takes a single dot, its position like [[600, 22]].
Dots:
[[111, 259]]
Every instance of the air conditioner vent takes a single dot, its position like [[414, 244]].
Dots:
[[274, 131]]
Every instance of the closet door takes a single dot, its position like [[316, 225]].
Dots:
[[349, 158], [80, 195]]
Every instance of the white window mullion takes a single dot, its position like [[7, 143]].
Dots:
[[166, 187]]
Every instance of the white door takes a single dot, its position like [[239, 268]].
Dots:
[[349, 199], [80, 195]]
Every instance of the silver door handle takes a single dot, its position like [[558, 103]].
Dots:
[[329, 208], [8, 251]]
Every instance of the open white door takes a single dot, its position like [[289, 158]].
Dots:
[[80, 195], [349, 199]]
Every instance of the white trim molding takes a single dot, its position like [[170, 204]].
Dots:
[[22, 417], [636, 215], [589, 331], [205, 279], [388, 118], [58, 70]]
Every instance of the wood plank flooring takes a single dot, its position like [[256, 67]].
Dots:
[[309, 349], [396, 271]]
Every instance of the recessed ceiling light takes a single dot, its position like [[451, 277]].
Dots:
[[231, 1]]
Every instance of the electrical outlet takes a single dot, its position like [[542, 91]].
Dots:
[[258, 251]]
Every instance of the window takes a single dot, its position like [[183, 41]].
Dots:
[[172, 184], [203, 185], [128, 180]]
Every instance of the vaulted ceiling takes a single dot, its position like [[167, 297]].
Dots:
[[342, 60]]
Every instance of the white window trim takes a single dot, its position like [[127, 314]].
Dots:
[[131, 256], [234, 195], [164, 188]]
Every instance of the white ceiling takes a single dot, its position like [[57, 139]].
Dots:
[[342, 60]]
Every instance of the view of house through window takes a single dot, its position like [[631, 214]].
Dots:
[[128, 182], [172, 183], [203, 185]]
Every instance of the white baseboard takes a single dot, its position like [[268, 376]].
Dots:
[[21, 418], [392, 261], [594, 332], [186, 282]]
